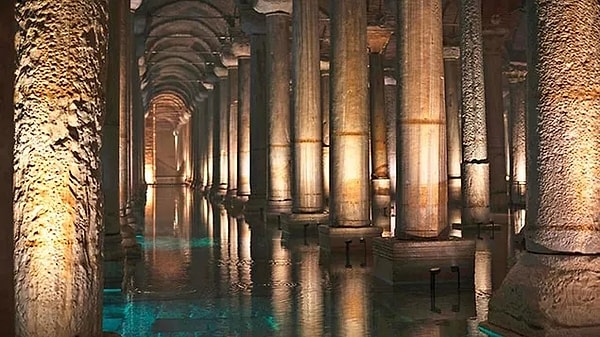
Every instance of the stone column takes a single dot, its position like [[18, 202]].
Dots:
[[324, 65], [475, 165], [242, 52], [421, 170], [350, 197], [308, 174], [208, 135], [220, 133], [493, 40], [7, 126], [552, 289], [452, 77], [380, 172], [231, 62], [59, 105], [391, 117], [124, 107], [150, 145], [516, 75], [279, 125]]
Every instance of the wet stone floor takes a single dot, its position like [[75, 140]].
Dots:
[[206, 273]]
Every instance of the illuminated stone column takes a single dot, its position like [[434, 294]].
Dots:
[[324, 65], [349, 161], [552, 289], [149, 145], [231, 62], [421, 169], [308, 152], [7, 125], [242, 52], [517, 142], [380, 173], [279, 190], [475, 165], [452, 80], [391, 117], [220, 132], [58, 109], [493, 43], [208, 135], [124, 74]]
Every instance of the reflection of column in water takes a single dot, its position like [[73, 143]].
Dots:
[[516, 223], [310, 299], [280, 282], [244, 269], [185, 224], [483, 287], [150, 219], [353, 302]]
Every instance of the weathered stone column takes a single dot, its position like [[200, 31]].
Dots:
[[552, 289], [517, 142], [380, 173], [231, 62], [350, 197], [475, 165], [59, 105], [242, 52], [279, 192], [208, 135], [324, 65], [452, 81], [150, 145], [124, 106], [421, 170], [7, 126], [220, 133], [308, 174], [493, 40], [391, 117]]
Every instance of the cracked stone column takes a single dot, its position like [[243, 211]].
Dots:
[[349, 161], [516, 75], [421, 170], [58, 109], [231, 62], [493, 40], [552, 289], [475, 165], [452, 77], [7, 126], [308, 152], [324, 66], [279, 125], [242, 51], [220, 132], [380, 174]]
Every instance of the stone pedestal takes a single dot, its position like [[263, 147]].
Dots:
[[399, 261], [335, 238], [293, 224]]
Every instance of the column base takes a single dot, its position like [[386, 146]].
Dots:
[[400, 262], [549, 296], [381, 204], [335, 238], [275, 207], [255, 210], [297, 225]]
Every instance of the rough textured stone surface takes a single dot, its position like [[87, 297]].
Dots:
[[549, 295], [564, 129], [475, 186], [59, 108], [421, 143], [349, 157], [7, 71]]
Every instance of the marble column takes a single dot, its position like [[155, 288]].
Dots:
[[493, 40], [391, 117], [552, 289], [349, 161], [220, 133], [208, 135], [324, 66], [231, 62], [308, 174], [59, 106], [475, 165], [242, 51], [516, 76], [279, 127], [422, 192], [452, 81], [7, 125], [380, 172]]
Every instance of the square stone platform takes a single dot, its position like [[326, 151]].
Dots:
[[404, 261], [335, 238], [293, 225]]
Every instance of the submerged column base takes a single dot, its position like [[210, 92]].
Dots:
[[381, 204], [334, 238], [549, 296]]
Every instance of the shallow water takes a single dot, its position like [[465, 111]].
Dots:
[[206, 273]]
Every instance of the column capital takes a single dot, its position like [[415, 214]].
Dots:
[[240, 48], [252, 22], [220, 72], [516, 72], [378, 38], [451, 52], [324, 66], [272, 6], [228, 59]]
